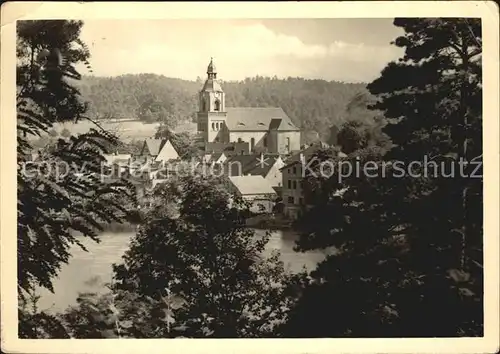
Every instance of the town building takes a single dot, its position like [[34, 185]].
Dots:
[[229, 149], [256, 190], [265, 165], [265, 129], [293, 174], [117, 158], [158, 150], [214, 158]]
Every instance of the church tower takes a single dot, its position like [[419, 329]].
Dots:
[[212, 109]]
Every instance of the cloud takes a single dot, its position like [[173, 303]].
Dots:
[[183, 48]]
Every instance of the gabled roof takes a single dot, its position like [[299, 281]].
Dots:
[[258, 118], [256, 164], [153, 146], [251, 185], [306, 153], [167, 152], [216, 156]]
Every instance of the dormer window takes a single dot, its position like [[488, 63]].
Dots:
[[241, 124]]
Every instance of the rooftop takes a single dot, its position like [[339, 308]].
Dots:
[[250, 164], [212, 85], [154, 146], [251, 185], [258, 118], [305, 153]]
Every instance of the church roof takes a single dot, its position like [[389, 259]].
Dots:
[[212, 85], [258, 119], [211, 69]]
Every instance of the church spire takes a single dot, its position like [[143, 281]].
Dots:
[[211, 70]]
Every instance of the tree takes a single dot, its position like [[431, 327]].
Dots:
[[442, 118], [307, 102], [356, 134], [65, 133], [65, 195], [361, 127], [403, 267], [204, 254]]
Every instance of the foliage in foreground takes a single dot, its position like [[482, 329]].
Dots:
[[192, 270], [204, 254], [410, 260], [63, 195]]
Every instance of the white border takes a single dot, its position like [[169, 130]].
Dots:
[[489, 13]]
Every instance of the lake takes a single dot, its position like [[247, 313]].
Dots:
[[88, 271]]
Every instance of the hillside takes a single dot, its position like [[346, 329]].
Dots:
[[314, 105]]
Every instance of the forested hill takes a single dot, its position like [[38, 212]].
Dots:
[[314, 105]]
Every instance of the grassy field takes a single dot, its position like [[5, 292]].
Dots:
[[127, 131]]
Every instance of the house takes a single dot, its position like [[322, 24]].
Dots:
[[218, 157], [265, 129], [265, 165], [229, 149], [256, 190], [158, 150], [116, 165], [293, 174], [117, 158]]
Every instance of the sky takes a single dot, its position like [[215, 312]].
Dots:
[[349, 50]]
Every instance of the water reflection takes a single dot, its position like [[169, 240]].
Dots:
[[88, 271]]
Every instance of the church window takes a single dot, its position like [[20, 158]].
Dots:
[[252, 143], [288, 144], [265, 141], [203, 105], [213, 126], [217, 105]]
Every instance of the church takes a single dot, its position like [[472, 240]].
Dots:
[[264, 129]]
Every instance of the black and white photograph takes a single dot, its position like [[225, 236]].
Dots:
[[251, 177]]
